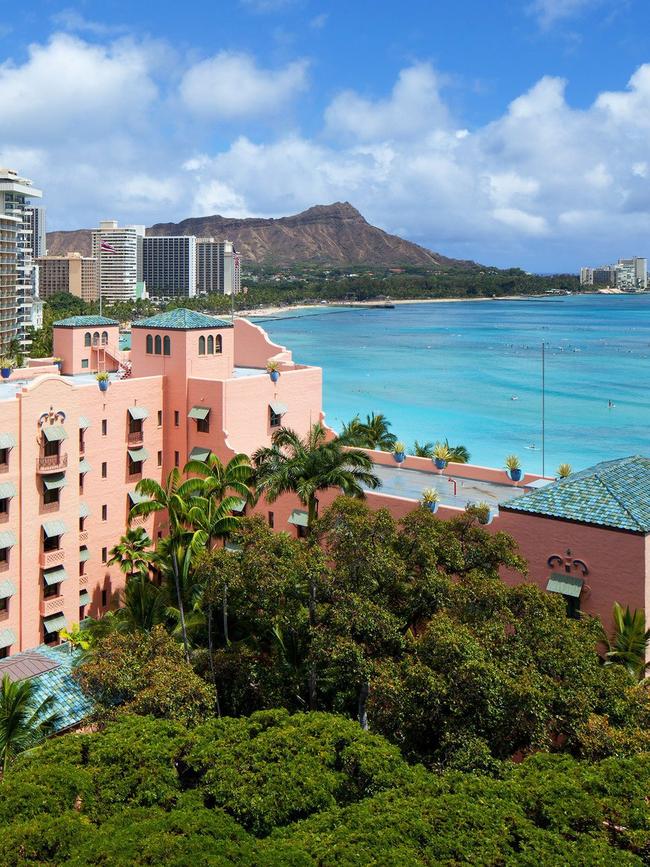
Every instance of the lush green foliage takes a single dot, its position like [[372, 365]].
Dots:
[[24, 721], [308, 789]]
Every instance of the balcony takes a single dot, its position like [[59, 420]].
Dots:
[[135, 438], [51, 558], [51, 605], [83, 580], [83, 535], [51, 463]]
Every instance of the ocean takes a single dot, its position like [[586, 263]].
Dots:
[[471, 372]]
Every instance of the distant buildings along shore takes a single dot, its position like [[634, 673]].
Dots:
[[628, 275]]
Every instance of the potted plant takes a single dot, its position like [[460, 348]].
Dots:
[[441, 455], [430, 498], [102, 380], [481, 511], [272, 370], [564, 471], [399, 452], [513, 467], [57, 362], [6, 366]]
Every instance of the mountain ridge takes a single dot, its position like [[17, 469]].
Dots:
[[335, 235]]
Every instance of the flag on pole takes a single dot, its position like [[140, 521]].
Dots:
[[105, 247]]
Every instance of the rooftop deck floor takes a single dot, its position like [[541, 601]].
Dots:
[[399, 482]]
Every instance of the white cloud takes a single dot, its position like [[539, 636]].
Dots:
[[266, 5], [414, 106], [549, 12], [69, 85], [233, 86]]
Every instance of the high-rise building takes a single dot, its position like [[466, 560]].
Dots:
[[15, 196], [36, 218], [8, 280], [217, 267], [71, 273], [169, 266], [632, 274], [118, 252]]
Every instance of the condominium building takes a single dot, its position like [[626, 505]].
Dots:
[[218, 267], [632, 274], [15, 196], [71, 273], [36, 219], [169, 266], [118, 253]]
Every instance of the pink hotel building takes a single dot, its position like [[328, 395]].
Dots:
[[71, 456]]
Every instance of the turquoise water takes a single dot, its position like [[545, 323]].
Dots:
[[452, 369]]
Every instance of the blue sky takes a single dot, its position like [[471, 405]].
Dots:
[[513, 133]]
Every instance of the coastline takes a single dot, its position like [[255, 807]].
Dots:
[[272, 311]]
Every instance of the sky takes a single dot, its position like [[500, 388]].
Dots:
[[511, 132]]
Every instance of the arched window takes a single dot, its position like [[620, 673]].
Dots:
[[210, 345], [218, 344], [201, 345], [157, 345], [104, 338], [167, 346], [96, 338], [149, 344], [87, 338]]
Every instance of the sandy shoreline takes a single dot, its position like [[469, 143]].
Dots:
[[272, 311]]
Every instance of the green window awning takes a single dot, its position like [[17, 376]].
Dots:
[[84, 511], [7, 441], [84, 597], [7, 588], [138, 412], [565, 584], [299, 518], [54, 433], [55, 576], [7, 539], [84, 554], [199, 454], [84, 466], [199, 412], [239, 506], [137, 497], [278, 408], [7, 490], [54, 623], [84, 423], [138, 455], [54, 528], [7, 638], [56, 480]]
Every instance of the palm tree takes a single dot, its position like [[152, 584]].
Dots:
[[173, 498], [131, 553], [142, 606], [424, 450], [218, 480], [24, 722], [309, 465], [630, 641], [457, 454], [306, 466], [353, 433], [376, 433]]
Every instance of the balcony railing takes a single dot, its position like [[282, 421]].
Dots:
[[51, 463], [135, 438], [51, 605], [83, 535], [51, 558], [50, 507]]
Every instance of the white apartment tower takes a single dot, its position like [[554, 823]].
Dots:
[[118, 252], [16, 310], [217, 267], [169, 266], [36, 218]]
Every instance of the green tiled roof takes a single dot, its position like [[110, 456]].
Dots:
[[181, 320], [84, 322], [70, 703], [610, 494]]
